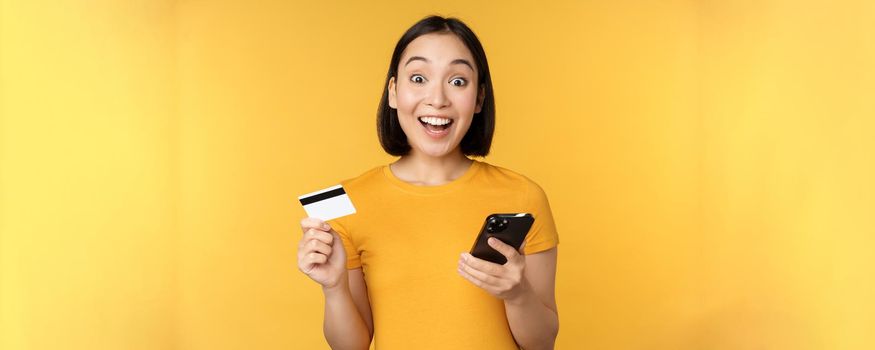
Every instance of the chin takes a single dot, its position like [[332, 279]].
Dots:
[[435, 151]]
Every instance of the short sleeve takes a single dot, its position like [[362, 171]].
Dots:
[[542, 236], [353, 260]]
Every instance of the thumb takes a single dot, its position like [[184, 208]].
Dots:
[[336, 235], [337, 241], [337, 247], [502, 247]]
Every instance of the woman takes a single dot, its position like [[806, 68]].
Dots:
[[398, 268]]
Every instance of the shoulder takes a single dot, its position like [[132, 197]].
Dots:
[[364, 180], [501, 176], [533, 200], [359, 188]]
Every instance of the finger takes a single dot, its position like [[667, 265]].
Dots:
[[314, 223], [305, 262], [318, 246], [487, 279], [502, 248], [522, 247], [310, 260], [316, 234], [471, 279], [313, 246], [482, 265]]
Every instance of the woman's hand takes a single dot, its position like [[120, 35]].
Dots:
[[507, 281], [321, 255]]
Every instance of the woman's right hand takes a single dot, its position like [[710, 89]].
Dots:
[[321, 255]]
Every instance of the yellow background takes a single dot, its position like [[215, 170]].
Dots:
[[710, 164]]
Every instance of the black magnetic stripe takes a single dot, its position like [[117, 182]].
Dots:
[[322, 196]]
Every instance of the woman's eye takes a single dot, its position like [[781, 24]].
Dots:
[[458, 82], [416, 78]]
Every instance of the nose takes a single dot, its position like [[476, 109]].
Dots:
[[437, 98]]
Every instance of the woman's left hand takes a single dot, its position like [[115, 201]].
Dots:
[[506, 281]]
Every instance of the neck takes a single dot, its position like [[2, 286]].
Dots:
[[424, 170]]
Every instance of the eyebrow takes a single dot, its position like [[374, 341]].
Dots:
[[455, 61]]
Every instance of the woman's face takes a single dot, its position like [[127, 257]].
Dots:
[[436, 93]]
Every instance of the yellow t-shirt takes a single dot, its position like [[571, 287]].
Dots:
[[407, 239]]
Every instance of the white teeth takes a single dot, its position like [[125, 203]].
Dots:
[[435, 120]]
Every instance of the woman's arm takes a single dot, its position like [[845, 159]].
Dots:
[[532, 315], [348, 323], [526, 283], [321, 256]]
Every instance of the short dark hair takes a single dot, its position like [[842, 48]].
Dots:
[[478, 139]]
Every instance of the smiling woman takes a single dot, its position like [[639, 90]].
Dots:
[[437, 88], [444, 80], [387, 272]]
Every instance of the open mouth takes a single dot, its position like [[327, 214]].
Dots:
[[435, 124]]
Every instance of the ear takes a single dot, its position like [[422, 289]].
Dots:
[[481, 94], [392, 99]]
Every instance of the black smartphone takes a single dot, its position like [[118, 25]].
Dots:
[[509, 228]]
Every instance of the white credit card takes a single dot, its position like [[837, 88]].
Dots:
[[328, 204]]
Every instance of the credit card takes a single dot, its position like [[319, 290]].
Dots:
[[328, 204]]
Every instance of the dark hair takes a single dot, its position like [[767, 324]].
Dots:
[[478, 139]]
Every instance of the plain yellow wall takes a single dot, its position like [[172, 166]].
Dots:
[[788, 171], [709, 165], [88, 189]]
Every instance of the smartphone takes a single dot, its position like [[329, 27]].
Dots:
[[509, 228]]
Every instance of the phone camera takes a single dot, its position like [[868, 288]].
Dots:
[[496, 225]]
